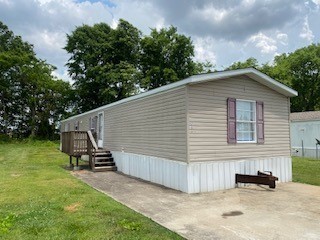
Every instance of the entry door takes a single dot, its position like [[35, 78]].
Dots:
[[100, 129]]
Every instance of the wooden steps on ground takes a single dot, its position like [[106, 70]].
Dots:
[[103, 161]]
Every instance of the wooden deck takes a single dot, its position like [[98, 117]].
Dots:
[[78, 143], [75, 143]]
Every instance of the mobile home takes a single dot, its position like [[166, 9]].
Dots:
[[194, 135]]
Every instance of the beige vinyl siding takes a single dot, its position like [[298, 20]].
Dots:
[[153, 126], [83, 123], [207, 120]]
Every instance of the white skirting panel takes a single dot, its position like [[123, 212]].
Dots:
[[200, 176], [172, 174], [213, 176]]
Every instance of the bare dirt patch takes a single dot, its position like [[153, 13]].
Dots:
[[15, 175], [73, 207]]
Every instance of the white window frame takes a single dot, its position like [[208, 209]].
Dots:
[[100, 129], [254, 122]]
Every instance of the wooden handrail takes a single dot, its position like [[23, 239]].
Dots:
[[93, 142], [91, 146]]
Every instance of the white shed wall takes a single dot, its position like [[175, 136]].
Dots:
[[305, 133]]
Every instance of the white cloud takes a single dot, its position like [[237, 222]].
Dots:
[[45, 23], [142, 14], [114, 24], [222, 31], [160, 24], [306, 32], [64, 76], [210, 13], [6, 2], [264, 43], [53, 40], [283, 38], [248, 3], [204, 49]]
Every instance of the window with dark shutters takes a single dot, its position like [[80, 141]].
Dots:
[[232, 133], [260, 122], [244, 124]]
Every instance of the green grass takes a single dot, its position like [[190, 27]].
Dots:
[[39, 199], [306, 170]]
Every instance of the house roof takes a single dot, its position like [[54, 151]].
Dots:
[[250, 72], [305, 116]]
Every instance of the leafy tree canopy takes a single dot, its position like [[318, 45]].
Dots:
[[299, 70], [32, 100], [250, 62], [103, 63], [166, 57], [110, 64]]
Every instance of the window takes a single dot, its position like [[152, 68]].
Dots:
[[245, 121], [76, 126], [93, 124]]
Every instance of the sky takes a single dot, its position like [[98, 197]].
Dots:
[[222, 31]]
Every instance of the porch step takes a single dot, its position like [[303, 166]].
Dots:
[[105, 168], [107, 154], [103, 161], [106, 163], [100, 150]]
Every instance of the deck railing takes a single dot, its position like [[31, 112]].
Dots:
[[74, 143], [78, 143]]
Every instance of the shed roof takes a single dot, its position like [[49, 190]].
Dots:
[[305, 116], [250, 72]]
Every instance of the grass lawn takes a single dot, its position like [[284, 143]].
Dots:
[[39, 199], [306, 170]]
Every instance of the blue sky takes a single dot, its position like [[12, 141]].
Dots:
[[222, 31]]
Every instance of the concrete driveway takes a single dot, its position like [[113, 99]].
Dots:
[[291, 211]]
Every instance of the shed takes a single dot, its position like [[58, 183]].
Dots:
[[305, 129], [194, 135]]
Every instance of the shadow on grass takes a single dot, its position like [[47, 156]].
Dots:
[[71, 168]]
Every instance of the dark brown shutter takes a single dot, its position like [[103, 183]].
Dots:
[[260, 122], [232, 120]]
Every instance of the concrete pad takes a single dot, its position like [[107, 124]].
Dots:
[[291, 211]]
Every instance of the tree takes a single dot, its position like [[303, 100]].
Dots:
[[103, 63], [166, 57], [250, 62], [45, 99], [14, 54], [32, 100], [301, 71]]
